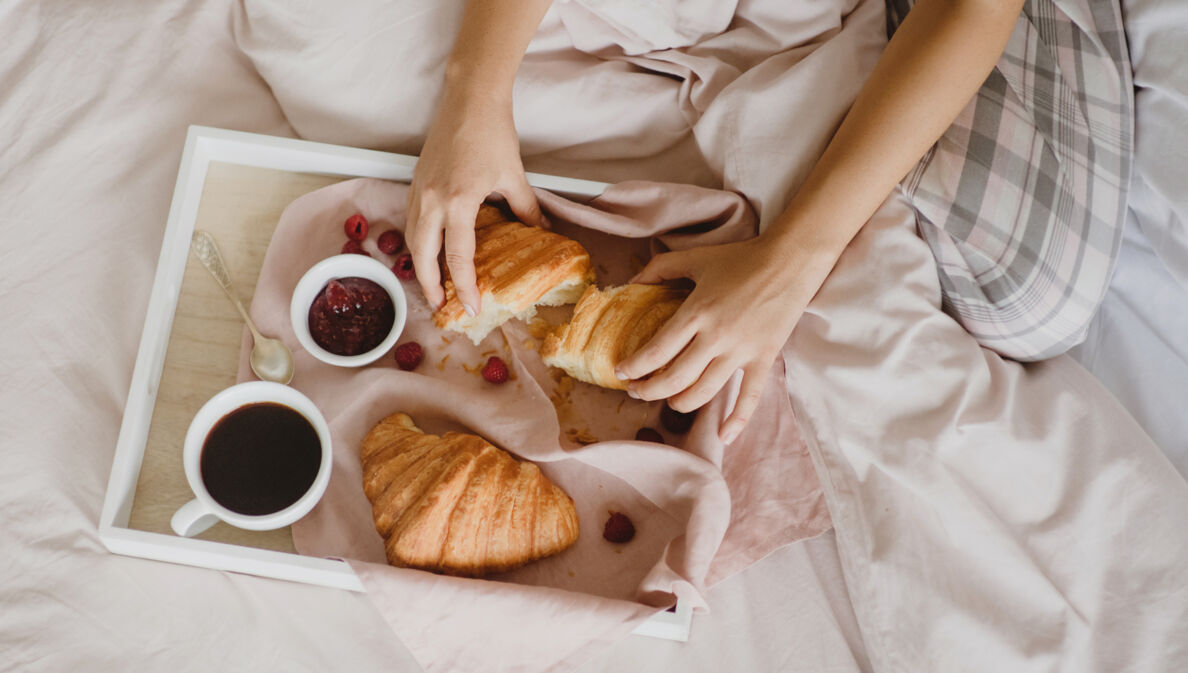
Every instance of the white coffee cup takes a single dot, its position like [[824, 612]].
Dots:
[[203, 511]]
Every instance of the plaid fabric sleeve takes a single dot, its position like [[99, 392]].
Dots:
[[1023, 199]]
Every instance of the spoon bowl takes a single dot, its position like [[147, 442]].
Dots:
[[271, 360]]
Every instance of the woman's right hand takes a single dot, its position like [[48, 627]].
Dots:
[[471, 152]]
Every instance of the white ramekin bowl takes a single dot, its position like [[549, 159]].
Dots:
[[345, 266]]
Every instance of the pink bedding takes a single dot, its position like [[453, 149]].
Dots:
[[988, 516]]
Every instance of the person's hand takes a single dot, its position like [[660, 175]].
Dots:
[[471, 152], [747, 299]]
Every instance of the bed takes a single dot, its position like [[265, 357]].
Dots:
[[1138, 346], [95, 106]]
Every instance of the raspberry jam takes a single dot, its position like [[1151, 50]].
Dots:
[[351, 316]]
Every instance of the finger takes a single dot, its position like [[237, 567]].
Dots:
[[522, 201], [665, 266], [412, 214], [681, 373], [749, 392], [715, 377], [424, 242], [661, 349], [459, 256]]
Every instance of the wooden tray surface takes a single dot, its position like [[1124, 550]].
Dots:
[[240, 206]]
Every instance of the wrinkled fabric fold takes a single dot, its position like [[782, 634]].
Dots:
[[981, 505]]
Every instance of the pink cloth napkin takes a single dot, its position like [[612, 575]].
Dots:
[[702, 511]]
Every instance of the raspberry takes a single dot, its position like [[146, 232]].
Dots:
[[648, 435], [675, 421], [495, 371], [390, 241], [338, 298], [409, 355], [353, 248], [618, 528], [403, 268], [356, 227]]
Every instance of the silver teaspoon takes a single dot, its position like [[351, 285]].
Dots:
[[270, 359]]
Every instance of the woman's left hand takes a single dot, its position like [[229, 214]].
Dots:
[[748, 297]]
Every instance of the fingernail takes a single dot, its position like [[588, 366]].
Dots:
[[729, 435], [469, 310], [620, 375], [632, 394]]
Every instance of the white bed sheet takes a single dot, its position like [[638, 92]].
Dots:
[[1138, 343]]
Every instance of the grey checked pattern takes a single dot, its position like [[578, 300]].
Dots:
[[1023, 199]]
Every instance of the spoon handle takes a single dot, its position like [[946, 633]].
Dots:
[[207, 252]]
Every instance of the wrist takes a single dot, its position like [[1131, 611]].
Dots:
[[465, 85], [804, 246]]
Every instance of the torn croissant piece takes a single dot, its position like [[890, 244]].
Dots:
[[456, 504], [517, 268], [608, 326]]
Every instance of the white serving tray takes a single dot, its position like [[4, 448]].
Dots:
[[203, 146]]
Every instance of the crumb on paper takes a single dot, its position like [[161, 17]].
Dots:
[[487, 353], [565, 384], [561, 394], [581, 436], [571, 574], [539, 327], [473, 369], [560, 404], [442, 365], [446, 340], [529, 344]]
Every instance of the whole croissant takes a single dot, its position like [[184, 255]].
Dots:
[[457, 504]]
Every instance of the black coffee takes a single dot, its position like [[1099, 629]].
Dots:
[[260, 458]]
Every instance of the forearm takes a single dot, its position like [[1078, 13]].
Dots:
[[931, 68], [490, 45]]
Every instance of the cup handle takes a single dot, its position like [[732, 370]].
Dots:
[[192, 519]]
